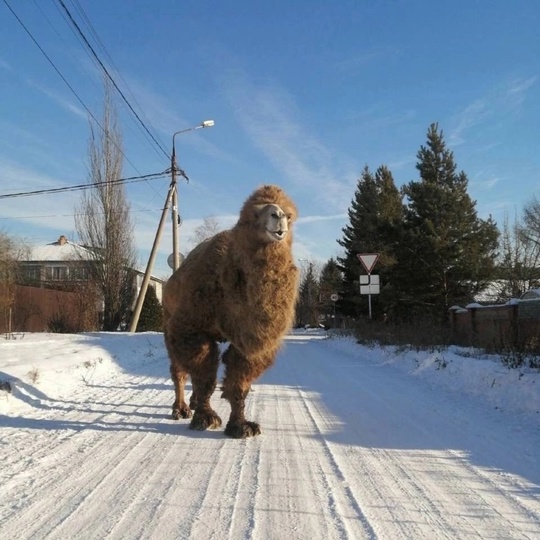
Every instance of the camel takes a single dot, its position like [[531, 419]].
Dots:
[[240, 287]]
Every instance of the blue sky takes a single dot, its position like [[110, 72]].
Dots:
[[303, 94]]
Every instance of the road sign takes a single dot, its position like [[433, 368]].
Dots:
[[368, 260], [334, 297], [369, 284], [170, 260]]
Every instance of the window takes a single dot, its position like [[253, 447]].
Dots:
[[56, 273], [32, 273], [80, 273]]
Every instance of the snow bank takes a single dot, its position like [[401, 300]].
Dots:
[[458, 369]]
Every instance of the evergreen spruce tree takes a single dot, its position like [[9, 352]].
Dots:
[[151, 318], [307, 307], [330, 282], [375, 216], [446, 253]]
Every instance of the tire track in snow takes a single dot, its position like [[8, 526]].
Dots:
[[48, 475], [298, 496], [67, 424], [443, 506], [341, 499], [334, 442], [505, 495]]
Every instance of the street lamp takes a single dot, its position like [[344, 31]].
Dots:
[[174, 213], [171, 196]]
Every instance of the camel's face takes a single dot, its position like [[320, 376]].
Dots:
[[273, 221]]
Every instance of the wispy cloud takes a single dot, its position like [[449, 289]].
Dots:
[[164, 117], [16, 177], [363, 58], [53, 212], [516, 91], [487, 184], [504, 100], [59, 99], [401, 164], [4, 64], [271, 118], [314, 219], [473, 115]]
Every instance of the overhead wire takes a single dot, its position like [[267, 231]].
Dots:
[[109, 76], [91, 185], [80, 10], [77, 32], [79, 214], [67, 82]]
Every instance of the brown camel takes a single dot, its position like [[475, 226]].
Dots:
[[239, 286]]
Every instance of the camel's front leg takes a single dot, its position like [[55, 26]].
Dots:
[[239, 375], [179, 408]]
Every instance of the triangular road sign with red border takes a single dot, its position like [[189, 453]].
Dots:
[[368, 260]]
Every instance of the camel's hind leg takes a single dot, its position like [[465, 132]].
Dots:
[[240, 373]]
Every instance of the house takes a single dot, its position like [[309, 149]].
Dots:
[[63, 262], [52, 264], [54, 291]]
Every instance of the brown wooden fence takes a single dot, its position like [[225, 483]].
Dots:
[[513, 325], [39, 310]]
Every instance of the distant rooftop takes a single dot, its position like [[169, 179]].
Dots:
[[64, 250], [61, 250]]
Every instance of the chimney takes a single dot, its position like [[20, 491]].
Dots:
[[62, 240]]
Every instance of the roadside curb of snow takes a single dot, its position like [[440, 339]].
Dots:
[[485, 376]]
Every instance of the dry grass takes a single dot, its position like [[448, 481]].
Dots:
[[34, 375]]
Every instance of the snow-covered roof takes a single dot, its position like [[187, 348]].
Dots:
[[61, 250], [64, 250], [532, 294]]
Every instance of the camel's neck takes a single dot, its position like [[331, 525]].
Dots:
[[268, 256]]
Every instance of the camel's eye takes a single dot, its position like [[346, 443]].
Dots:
[[289, 216], [275, 215]]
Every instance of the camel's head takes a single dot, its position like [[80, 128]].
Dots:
[[273, 222], [270, 213]]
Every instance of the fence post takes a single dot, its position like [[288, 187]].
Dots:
[[514, 325], [474, 326]]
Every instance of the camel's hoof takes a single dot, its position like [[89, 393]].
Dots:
[[184, 412], [205, 420], [243, 431]]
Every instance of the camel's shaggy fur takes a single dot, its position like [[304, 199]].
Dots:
[[239, 286]]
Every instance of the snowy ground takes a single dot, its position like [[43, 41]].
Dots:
[[357, 443]]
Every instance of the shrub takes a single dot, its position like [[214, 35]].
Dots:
[[151, 318]]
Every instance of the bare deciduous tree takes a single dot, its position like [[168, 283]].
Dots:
[[520, 254], [7, 275], [208, 228], [103, 220], [10, 254]]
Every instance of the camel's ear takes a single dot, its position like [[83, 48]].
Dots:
[[259, 208]]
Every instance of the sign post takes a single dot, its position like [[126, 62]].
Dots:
[[334, 297], [369, 284]]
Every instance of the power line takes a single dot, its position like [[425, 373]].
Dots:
[[103, 48], [80, 187], [80, 214], [106, 71], [93, 57], [66, 82]]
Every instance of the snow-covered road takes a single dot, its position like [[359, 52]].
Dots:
[[351, 449]]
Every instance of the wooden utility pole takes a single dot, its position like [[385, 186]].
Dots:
[[150, 265]]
